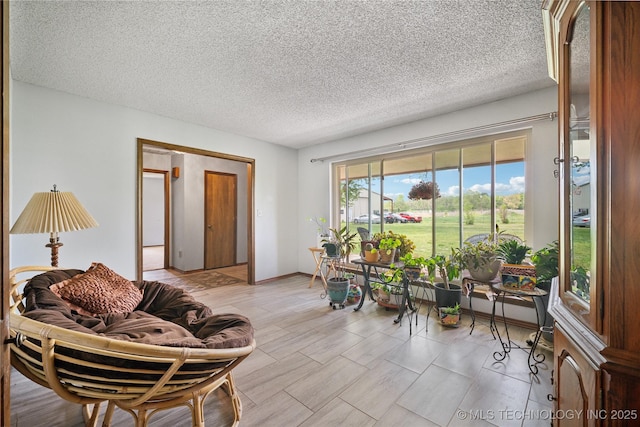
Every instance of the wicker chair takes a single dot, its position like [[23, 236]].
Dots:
[[138, 378]]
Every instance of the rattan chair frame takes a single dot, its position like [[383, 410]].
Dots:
[[167, 377]]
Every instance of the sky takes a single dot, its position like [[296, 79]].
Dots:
[[509, 180]]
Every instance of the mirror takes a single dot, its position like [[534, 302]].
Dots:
[[580, 161]]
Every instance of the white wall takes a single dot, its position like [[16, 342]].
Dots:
[[542, 188], [192, 178], [89, 148], [153, 210]]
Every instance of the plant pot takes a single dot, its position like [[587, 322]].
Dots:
[[331, 249], [412, 273], [447, 297], [387, 256], [363, 244], [395, 299], [383, 296], [371, 257], [485, 272], [518, 276], [448, 319], [541, 303], [354, 294], [337, 289]]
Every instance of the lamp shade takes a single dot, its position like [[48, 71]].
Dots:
[[53, 212]]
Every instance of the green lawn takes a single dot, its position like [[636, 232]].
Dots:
[[447, 231], [582, 247]]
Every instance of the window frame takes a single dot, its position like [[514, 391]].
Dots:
[[340, 170]]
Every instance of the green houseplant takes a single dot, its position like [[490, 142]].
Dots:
[[391, 289], [516, 274], [448, 268], [413, 265], [513, 252], [387, 248], [546, 262], [406, 244], [481, 259], [450, 316], [342, 243]]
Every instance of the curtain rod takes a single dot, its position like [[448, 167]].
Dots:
[[397, 146]]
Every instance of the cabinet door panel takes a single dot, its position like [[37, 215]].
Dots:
[[576, 382]]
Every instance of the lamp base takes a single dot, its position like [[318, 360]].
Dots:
[[54, 244]]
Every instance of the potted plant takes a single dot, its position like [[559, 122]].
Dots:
[[481, 259], [383, 290], [406, 244], [387, 248], [448, 268], [371, 254], [391, 290], [449, 316], [321, 227], [516, 274], [395, 295], [546, 262], [424, 191], [413, 266], [338, 285]]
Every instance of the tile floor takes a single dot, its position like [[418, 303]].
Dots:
[[315, 366]]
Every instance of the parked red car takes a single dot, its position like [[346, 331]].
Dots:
[[411, 218]]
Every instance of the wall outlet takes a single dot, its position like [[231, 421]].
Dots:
[[180, 253]]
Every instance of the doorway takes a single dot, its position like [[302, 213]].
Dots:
[[187, 205], [156, 220]]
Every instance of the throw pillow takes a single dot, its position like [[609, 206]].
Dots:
[[99, 290]]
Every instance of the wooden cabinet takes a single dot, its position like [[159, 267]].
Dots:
[[593, 55]]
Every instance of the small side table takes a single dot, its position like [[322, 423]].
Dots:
[[507, 345], [468, 286], [317, 257]]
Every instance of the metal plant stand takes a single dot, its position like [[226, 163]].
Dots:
[[507, 345]]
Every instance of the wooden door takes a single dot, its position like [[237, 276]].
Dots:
[[220, 218]]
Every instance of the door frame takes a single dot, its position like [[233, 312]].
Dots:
[[167, 213], [5, 365], [250, 164]]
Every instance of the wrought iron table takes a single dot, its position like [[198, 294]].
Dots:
[[468, 285], [406, 306], [508, 344]]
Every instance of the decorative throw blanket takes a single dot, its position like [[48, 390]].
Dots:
[[165, 315]]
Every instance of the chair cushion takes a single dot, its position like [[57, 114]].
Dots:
[[99, 290], [175, 310]]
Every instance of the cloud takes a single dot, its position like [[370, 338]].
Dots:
[[515, 185], [410, 181], [454, 190], [481, 188]]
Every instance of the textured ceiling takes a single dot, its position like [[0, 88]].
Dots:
[[294, 73]]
